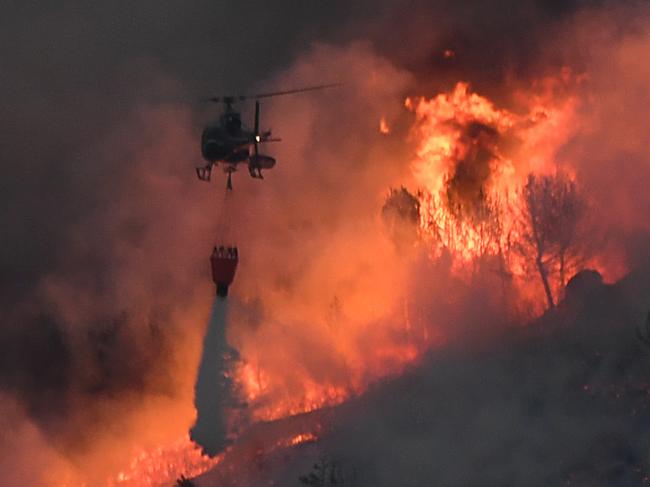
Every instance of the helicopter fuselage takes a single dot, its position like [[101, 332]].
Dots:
[[226, 140]]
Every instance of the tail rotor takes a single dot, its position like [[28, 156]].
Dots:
[[257, 128], [254, 166]]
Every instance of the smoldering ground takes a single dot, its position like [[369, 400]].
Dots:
[[104, 282]]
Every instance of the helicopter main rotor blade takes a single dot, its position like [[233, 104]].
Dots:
[[257, 127], [225, 99], [233, 98], [257, 118], [297, 90]]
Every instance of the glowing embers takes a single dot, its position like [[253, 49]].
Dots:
[[384, 128], [161, 466], [300, 439], [448, 54], [183, 459], [472, 161], [267, 405]]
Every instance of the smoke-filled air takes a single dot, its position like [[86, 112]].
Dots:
[[444, 279]]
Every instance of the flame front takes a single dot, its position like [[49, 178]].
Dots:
[[151, 468]]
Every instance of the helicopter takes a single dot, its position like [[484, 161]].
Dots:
[[227, 142]]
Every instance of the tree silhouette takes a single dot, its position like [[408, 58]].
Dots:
[[553, 216]]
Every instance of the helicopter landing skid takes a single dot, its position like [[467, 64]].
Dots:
[[204, 173], [255, 172], [229, 170]]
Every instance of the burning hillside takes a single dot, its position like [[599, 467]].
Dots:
[[492, 201], [492, 197]]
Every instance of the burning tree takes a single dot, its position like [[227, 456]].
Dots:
[[491, 193], [401, 216], [471, 235], [553, 214]]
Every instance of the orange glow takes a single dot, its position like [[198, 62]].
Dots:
[[299, 439], [373, 333], [383, 126], [472, 161], [464, 126], [448, 54], [163, 465]]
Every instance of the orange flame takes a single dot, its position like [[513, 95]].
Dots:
[[464, 126], [299, 439], [162, 465], [472, 161], [383, 126], [499, 148]]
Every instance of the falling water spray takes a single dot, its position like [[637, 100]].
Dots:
[[213, 389]]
